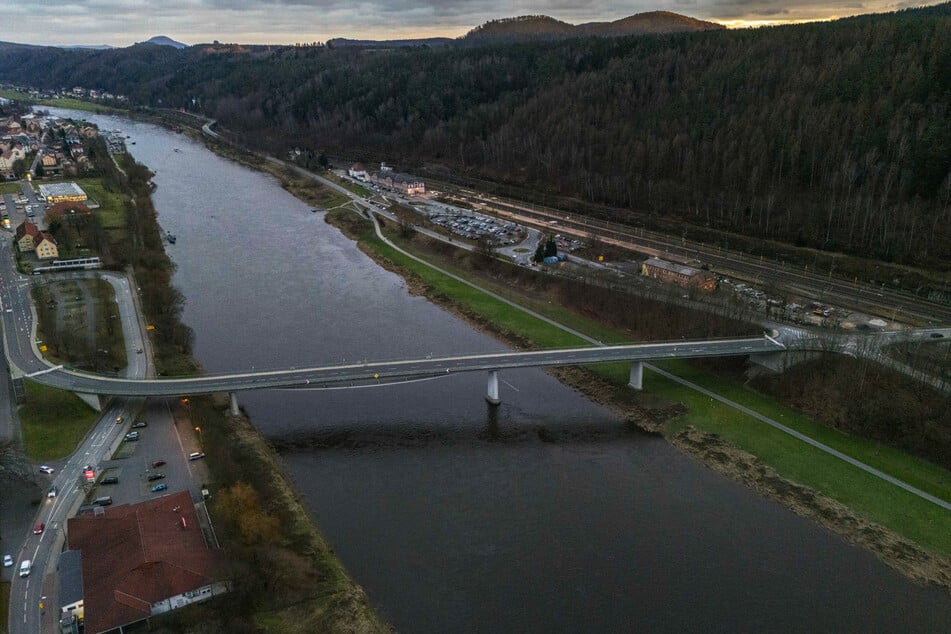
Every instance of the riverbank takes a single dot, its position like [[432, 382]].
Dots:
[[286, 577], [866, 511]]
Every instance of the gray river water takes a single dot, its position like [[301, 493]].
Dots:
[[547, 516]]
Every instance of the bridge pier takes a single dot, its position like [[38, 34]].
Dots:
[[637, 376], [492, 388], [233, 404]]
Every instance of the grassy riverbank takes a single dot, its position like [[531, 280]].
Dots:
[[286, 578], [53, 422], [758, 445]]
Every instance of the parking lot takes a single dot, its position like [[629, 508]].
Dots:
[[161, 440]]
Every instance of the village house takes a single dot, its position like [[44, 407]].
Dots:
[[358, 171], [680, 274], [10, 153], [27, 235], [46, 248], [50, 165]]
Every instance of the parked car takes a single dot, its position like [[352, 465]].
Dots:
[[155, 476], [195, 455], [52, 492], [110, 480], [131, 436], [105, 500], [45, 469], [39, 528], [7, 561], [157, 463], [159, 487], [139, 424]]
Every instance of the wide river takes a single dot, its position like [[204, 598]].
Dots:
[[546, 517]]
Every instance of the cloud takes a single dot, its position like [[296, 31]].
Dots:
[[122, 22]]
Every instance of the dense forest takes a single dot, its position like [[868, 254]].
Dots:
[[833, 135]]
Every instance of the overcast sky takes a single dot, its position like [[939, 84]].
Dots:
[[123, 22]]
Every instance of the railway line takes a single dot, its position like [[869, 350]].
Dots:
[[881, 301]]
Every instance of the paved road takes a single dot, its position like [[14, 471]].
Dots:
[[18, 320]]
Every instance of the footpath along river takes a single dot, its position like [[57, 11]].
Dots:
[[548, 516]]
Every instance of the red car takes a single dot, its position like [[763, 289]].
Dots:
[[157, 463], [38, 528]]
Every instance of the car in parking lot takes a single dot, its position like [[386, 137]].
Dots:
[[159, 487], [132, 436], [155, 476], [195, 455], [39, 528], [105, 500], [157, 463], [7, 561], [45, 469], [139, 424], [110, 480]]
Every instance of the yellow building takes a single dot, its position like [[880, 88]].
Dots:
[[27, 235], [46, 248], [63, 192]]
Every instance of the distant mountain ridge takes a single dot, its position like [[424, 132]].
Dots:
[[545, 27], [426, 41], [163, 40]]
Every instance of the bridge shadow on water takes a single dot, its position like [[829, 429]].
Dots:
[[493, 431]]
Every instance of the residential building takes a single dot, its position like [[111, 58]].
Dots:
[[139, 560], [685, 276], [45, 247], [27, 235], [9, 153], [357, 171]]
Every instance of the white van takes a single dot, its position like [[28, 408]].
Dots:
[[25, 566]]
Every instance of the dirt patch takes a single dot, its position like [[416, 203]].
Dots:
[[896, 551]]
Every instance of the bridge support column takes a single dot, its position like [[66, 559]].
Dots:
[[233, 404], [492, 388], [637, 376]]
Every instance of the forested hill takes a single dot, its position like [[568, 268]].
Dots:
[[539, 27], [835, 135]]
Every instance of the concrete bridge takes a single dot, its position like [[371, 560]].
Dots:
[[379, 372]]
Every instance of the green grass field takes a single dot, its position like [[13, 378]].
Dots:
[[359, 190], [54, 422], [111, 210], [10, 188], [880, 501]]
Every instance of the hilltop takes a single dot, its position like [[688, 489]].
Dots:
[[532, 27]]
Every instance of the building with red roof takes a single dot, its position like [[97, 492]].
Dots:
[[139, 560]]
